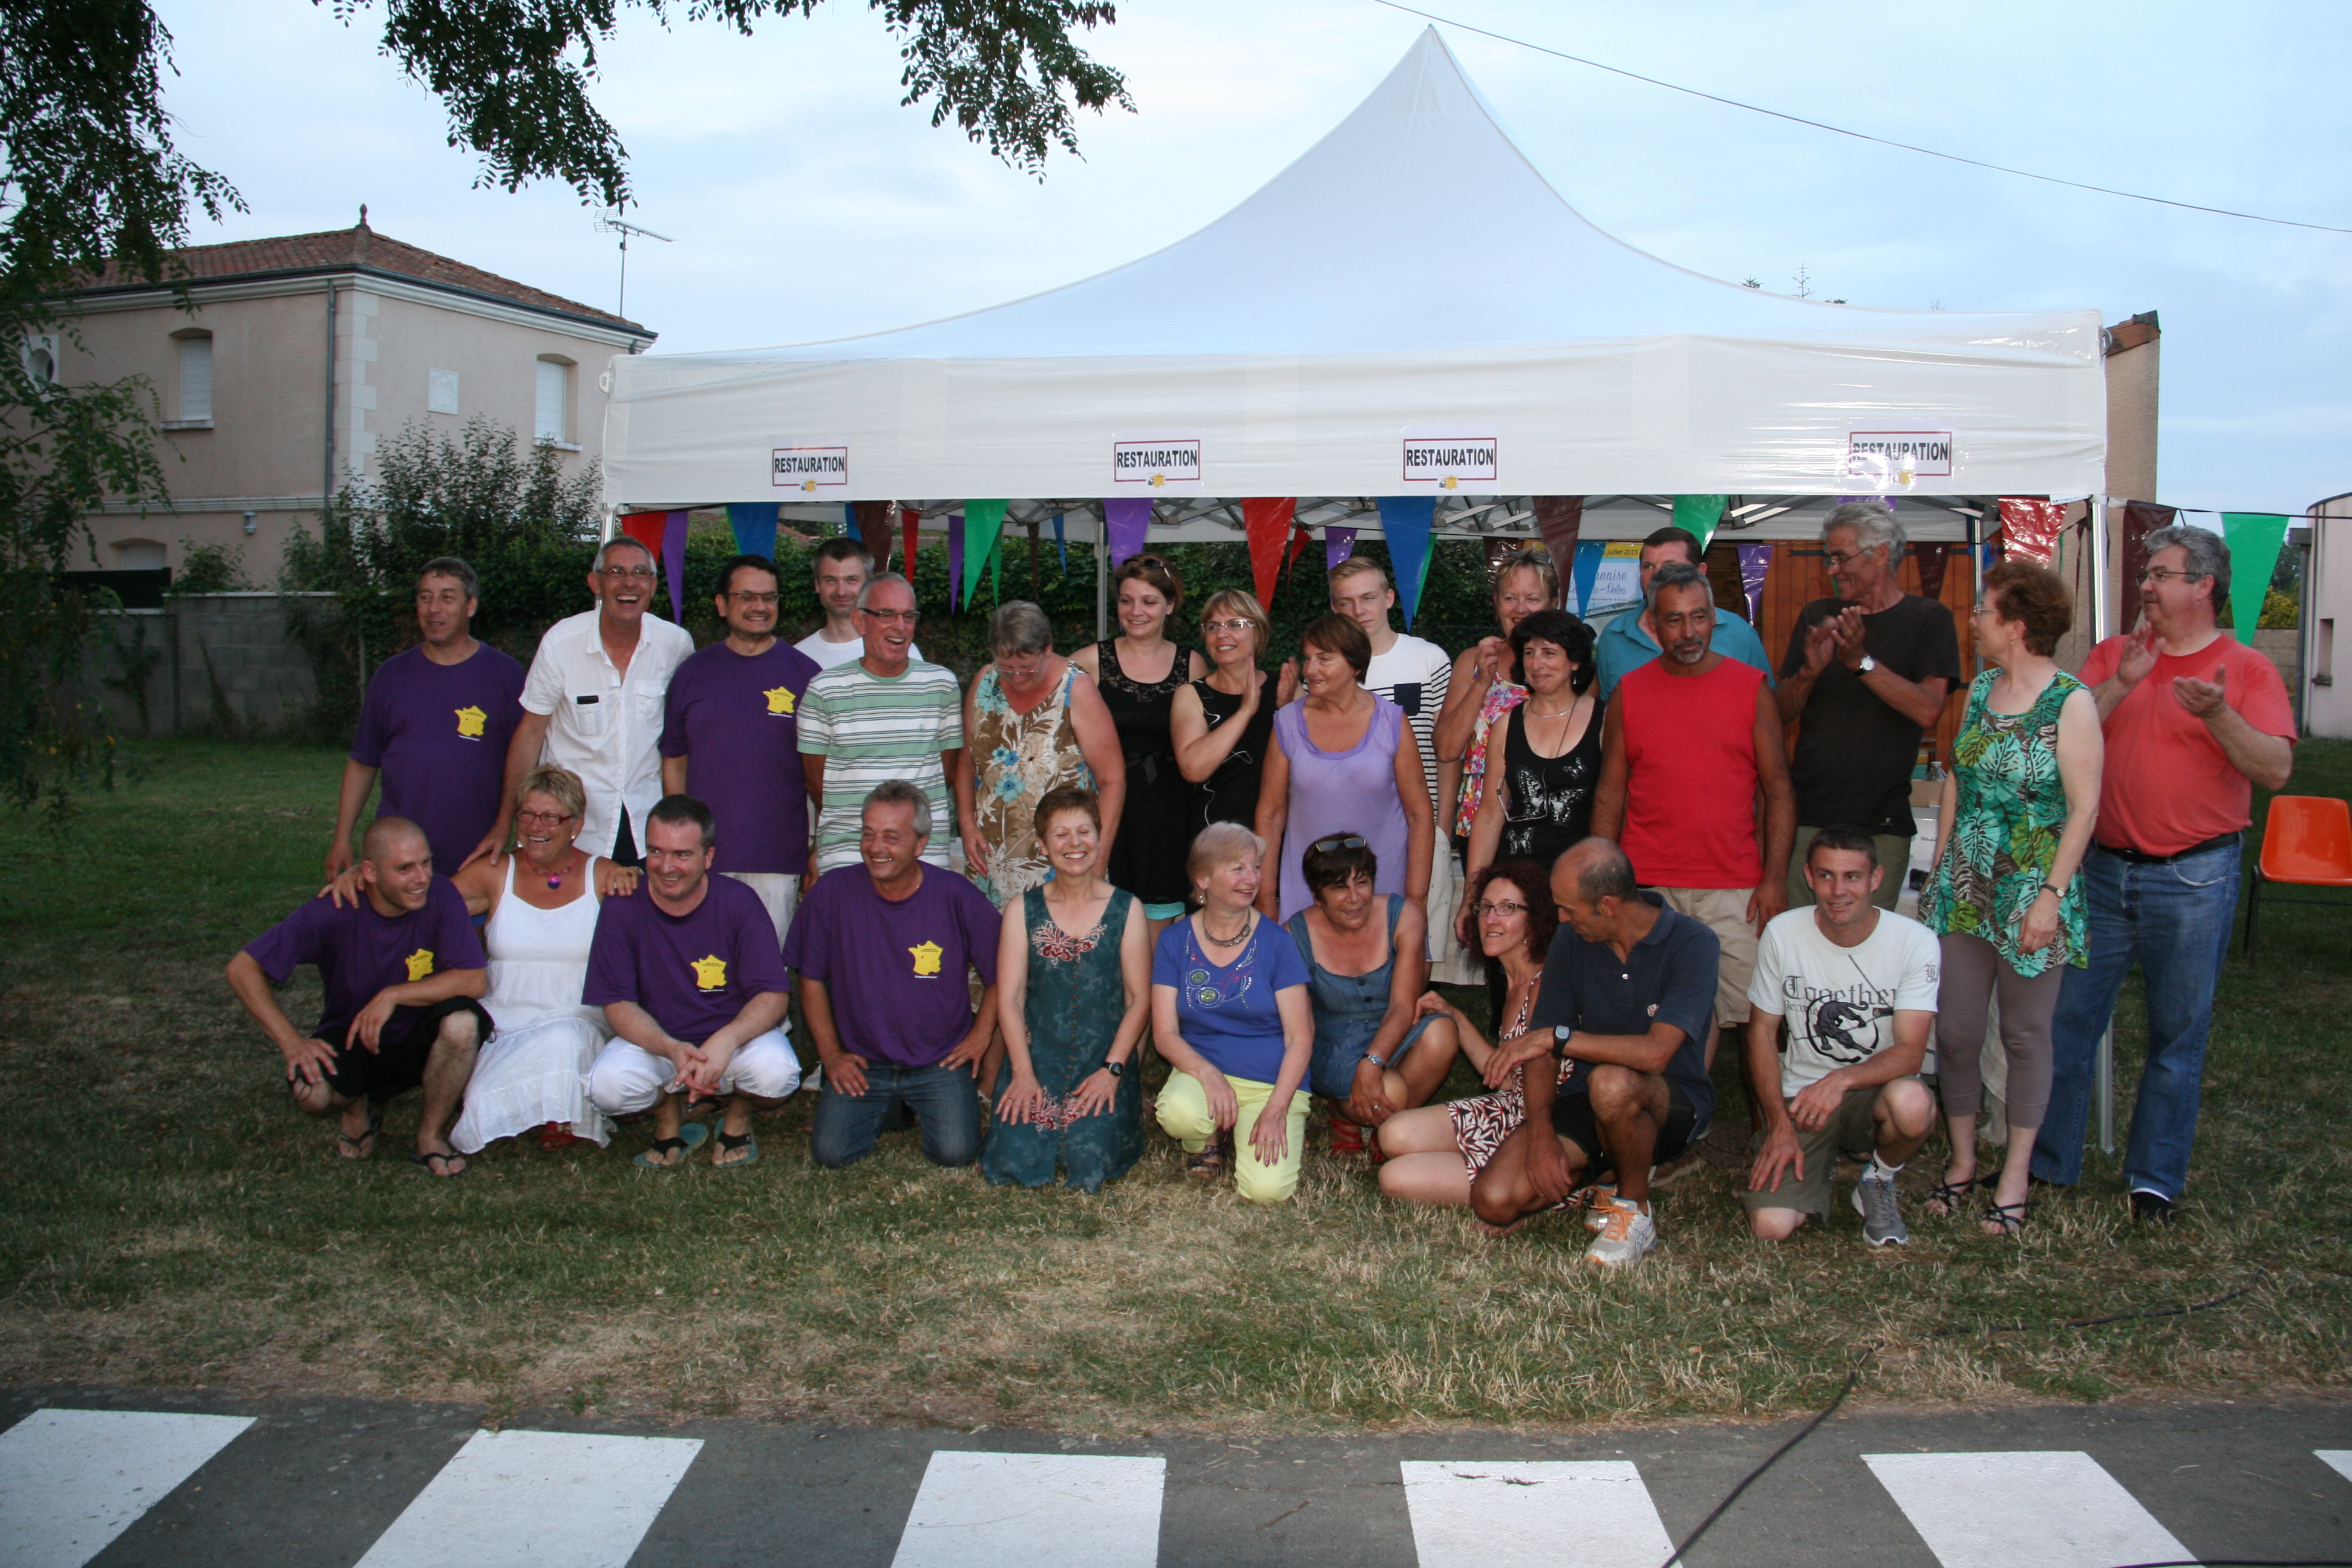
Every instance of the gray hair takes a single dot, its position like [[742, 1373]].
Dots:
[[450, 566], [623, 542], [1019, 626], [1606, 873], [1678, 575], [1872, 523], [2209, 554], [877, 580], [898, 792], [1219, 844]]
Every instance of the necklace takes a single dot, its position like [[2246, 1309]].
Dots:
[[555, 878], [1563, 713], [1215, 940]]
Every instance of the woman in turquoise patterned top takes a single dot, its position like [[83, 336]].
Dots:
[[2013, 825]]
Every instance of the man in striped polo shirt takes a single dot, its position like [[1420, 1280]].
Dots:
[[879, 717]]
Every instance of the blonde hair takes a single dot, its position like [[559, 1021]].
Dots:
[[1530, 558], [561, 785], [1219, 844], [1243, 602]]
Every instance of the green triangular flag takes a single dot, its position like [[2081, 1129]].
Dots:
[[983, 524], [2253, 538], [1699, 514]]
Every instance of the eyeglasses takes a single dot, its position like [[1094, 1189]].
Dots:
[[1838, 558], [749, 601], [527, 817], [2166, 574], [906, 616], [1339, 841], [1483, 909], [627, 573], [1236, 626]]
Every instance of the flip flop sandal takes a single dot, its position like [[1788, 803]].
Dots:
[[375, 1126], [689, 1138], [432, 1160], [727, 1144], [2010, 1217]]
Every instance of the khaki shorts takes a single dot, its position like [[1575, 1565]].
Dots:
[[778, 890], [1853, 1130], [1724, 911], [1894, 860]]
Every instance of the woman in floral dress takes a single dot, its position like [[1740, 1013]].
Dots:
[[2012, 828]]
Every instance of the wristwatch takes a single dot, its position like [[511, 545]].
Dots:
[[1115, 1069], [1867, 664], [1561, 1034]]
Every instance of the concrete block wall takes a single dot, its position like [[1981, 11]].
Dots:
[[210, 663]]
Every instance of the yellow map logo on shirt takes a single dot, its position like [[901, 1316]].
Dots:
[[420, 965], [710, 974], [780, 699], [927, 956], [470, 722]]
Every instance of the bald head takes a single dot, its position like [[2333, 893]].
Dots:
[[395, 865], [387, 836], [1593, 887], [1598, 869]]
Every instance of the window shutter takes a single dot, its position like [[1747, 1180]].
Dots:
[[197, 378], [549, 424]]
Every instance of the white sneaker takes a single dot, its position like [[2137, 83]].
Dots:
[[1626, 1233], [1596, 1200]]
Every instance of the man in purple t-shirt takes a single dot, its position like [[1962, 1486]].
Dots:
[[882, 948], [435, 724], [687, 971], [730, 738], [401, 967]]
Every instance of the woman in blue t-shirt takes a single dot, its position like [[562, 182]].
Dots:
[[1229, 1011]]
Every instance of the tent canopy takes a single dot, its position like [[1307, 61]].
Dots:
[[1332, 336]]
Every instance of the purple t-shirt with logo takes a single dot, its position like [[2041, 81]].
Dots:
[[692, 972], [439, 733], [359, 951], [895, 972], [735, 721]]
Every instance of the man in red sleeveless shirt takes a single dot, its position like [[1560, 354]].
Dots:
[[1688, 742]]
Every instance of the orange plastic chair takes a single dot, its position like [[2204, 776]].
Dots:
[[2306, 843]]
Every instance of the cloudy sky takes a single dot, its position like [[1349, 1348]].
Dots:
[[805, 203]]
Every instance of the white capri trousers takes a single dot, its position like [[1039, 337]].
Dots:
[[628, 1078]]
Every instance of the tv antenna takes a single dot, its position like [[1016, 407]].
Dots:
[[609, 223]]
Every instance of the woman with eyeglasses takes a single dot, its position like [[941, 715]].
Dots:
[[1032, 724], [1344, 761], [1140, 672], [1538, 800], [1434, 1152], [1367, 956], [1223, 725]]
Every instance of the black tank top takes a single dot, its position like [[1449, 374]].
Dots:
[[1231, 793], [1549, 799]]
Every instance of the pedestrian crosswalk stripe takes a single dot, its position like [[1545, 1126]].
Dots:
[[1034, 1511], [1545, 1514], [2055, 1510], [524, 1500], [72, 1481], [2340, 1459]]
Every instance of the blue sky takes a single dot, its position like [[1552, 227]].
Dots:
[[805, 204]]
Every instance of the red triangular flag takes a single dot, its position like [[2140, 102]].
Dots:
[[909, 521], [1299, 540], [646, 528], [1266, 519]]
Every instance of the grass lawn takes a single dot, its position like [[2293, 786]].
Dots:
[[167, 1219]]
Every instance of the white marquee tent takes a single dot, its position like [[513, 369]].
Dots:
[[1334, 337]]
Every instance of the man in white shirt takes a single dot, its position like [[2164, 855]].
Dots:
[[842, 566], [592, 703], [1858, 987], [1412, 673]]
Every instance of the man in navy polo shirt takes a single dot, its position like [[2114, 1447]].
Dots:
[[1628, 998], [402, 966], [435, 726]]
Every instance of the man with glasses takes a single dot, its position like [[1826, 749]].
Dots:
[[435, 726], [1867, 673], [592, 703], [730, 738], [2193, 720], [841, 566], [883, 716]]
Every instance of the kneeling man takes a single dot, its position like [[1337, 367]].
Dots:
[[1857, 985], [1627, 997], [882, 948], [401, 966], [687, 971]]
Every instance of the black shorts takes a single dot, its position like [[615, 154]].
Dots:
[[400, 1065], [1571, 1118]]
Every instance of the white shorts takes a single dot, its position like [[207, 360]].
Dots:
[[628, 1078], [778, 890]]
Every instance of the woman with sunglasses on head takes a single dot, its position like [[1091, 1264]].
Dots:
[[1138, 673], [1434, 1152], [1222, 726], [1485, 684], [1344, 761]]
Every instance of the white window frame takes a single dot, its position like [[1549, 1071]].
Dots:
[[193, 415], [557, 432]]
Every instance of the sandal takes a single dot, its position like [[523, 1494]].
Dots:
[[557, 1136], [1952, 1195], [727, 1143], [1209, 1164], [360, 1147], [689, 1138], [2007, 1219], [434, 1160]]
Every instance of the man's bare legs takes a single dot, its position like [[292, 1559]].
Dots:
[[1535, 1167], [446, 1069], [355, 1138]]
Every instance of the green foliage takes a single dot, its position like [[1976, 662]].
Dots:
[[2279, 612], [209, 568]]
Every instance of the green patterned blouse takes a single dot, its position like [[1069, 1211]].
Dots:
[[2011, 811]]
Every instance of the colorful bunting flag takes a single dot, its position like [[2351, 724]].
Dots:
[[1408, 521], [1700, 514], [1062, 544], [983, 531], [2030, 526], [645, 527], [955, 558], [2253, 538], [1299, 540], [674, 562], [1932, 560], [1755, 560], [1267, 521], [1558, 519], [2141, 518], [910, 520], [754, 523], [1588, 568], [1338, 544], [870, 521], [1126, 522]]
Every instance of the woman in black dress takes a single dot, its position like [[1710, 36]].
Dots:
[[1223, 725], [1540, 800], [1139, 671]]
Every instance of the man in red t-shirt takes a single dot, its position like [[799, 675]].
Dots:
[[2193, 720], [1687, 743]]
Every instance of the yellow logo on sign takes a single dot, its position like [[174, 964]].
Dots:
[[927, 956], [420, 965], [710, 974], [470, 722], [780, 699]]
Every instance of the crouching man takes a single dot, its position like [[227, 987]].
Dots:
[[401, 966], [1857, 986], [688, 973], [1628, 996]]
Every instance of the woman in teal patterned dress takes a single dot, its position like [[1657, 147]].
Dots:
[[2012, 828], [1074, 989]]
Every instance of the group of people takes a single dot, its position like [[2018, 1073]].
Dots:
[[598, 890]]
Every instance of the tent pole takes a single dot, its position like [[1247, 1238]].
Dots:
[[1102, 577], [2102, 618]]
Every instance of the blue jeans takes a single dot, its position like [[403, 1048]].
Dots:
[[944, 1099], [2175, 919]]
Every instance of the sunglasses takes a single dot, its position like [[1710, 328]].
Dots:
[[1340, 841]]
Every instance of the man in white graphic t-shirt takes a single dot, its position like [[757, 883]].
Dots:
[[1856, 985]]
